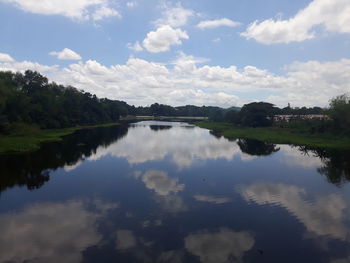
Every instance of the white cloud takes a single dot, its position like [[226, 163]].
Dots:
[[164, 37], [77, 9], [50, 232], [104, 12], [131, 4], [323, 216], [332, 15], [184, 81], [24, 65], [314, 83], [6, 58], [135, 47], [174, 16], [217, 23], [222, 246], [66, 54]]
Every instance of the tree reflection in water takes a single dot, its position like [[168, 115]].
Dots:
[[336, 164], [160, 127], [257, 148], [33, 169]]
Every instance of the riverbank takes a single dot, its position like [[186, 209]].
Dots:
[[30, 138], [278, 135]]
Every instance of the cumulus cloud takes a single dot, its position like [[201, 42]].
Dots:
[[174, 16], [135, 47], [222, 246], [332, 15], [207, 24], [164, 37], [77, 9], [185, 81], [131, 4], [24, 65], [50, 232], [66, 54], [314, 83], [104, 12], [324, 216], [6, 58]]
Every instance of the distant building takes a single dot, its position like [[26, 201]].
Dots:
[[288, 117]]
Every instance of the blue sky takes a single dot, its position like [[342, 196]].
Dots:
[[206, 52]]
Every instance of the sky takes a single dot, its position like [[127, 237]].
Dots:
[[218, 53]]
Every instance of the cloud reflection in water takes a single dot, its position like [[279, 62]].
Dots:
[[189, 147], [51, 232], [323, 216], [222, 246]]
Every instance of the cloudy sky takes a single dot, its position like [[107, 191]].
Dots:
[[225, 52]]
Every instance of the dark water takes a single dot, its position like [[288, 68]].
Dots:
[[171, 192]]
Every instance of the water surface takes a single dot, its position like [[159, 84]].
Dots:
[[172, 192]]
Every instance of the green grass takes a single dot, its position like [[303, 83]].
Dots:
[[28, 138], [278, 135]]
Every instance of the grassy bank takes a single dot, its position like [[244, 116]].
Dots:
[[29, 138], [278, 135]]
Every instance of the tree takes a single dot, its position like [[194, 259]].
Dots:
[[216, 115], [30, 98], [257, 114], [339, 112], [232, 116]]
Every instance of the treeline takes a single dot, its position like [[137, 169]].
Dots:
[[334, 119], [166, 110], [261, 113], [30, 98]]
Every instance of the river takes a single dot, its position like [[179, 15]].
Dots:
[[172, 192]]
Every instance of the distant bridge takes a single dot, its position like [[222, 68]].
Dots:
[[164, 118]]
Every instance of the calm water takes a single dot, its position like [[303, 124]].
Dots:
[[171, 192]]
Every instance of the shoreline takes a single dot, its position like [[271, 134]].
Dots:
[[278, 135], [12, 144]]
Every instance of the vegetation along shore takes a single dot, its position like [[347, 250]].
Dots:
[[278, 135], [29, 138]]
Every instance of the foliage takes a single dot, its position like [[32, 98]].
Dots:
[[29, 98], [257, 114], [339, 112], [300, 111]]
